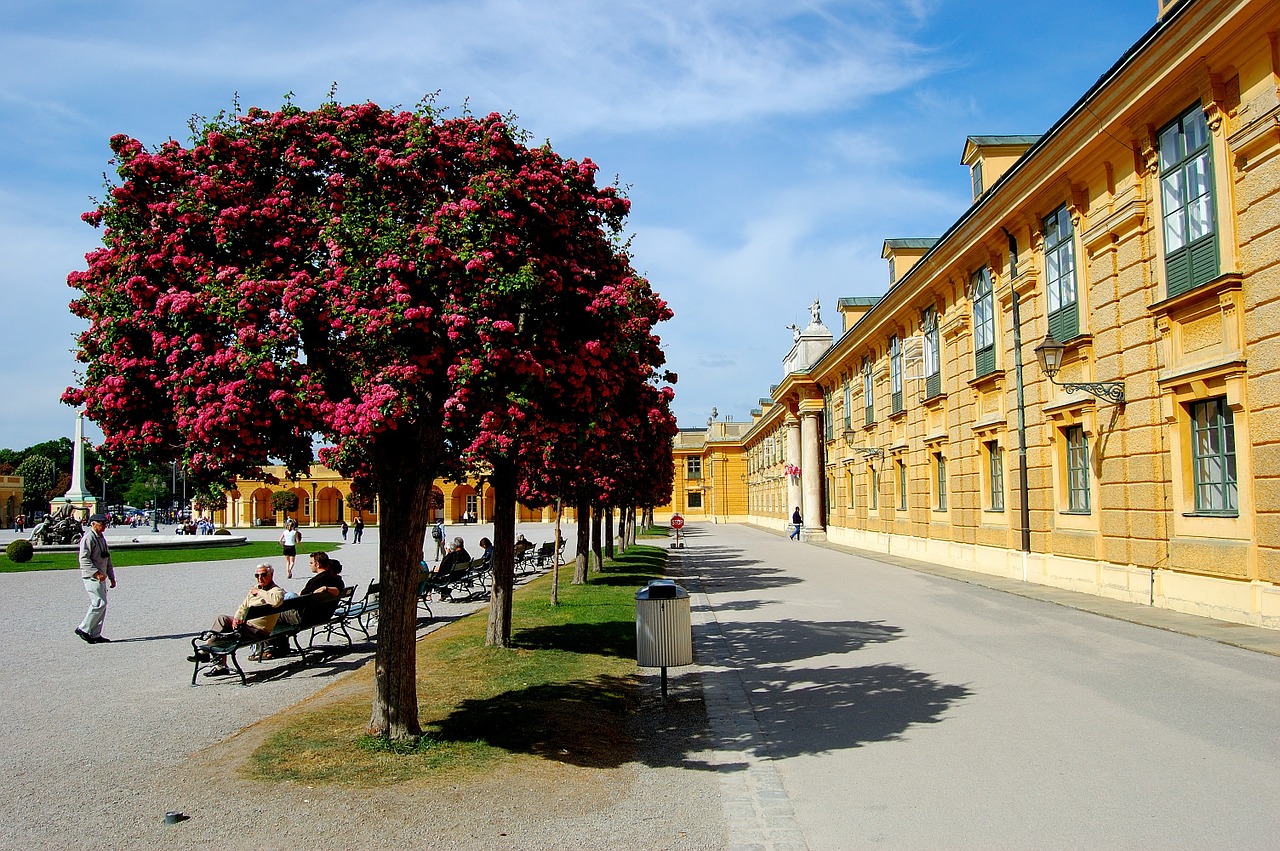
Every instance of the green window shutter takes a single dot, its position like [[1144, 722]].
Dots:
[[932, 385], [1177, 272], [984, 361], [1203, 254], [1065, 324]]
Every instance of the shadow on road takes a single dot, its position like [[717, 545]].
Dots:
[[752, 645], [816, 710]]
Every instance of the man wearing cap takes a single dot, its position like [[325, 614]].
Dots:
[[96, 570]]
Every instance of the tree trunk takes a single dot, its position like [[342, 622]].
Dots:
[[608, 532], [504, 548], [555, 560], [584, 543], [597, 556], [404, 481]]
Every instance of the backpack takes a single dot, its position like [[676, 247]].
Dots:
[[436, 534]]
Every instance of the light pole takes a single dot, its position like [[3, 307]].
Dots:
[[155, 503]]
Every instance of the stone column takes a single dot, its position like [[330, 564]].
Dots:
[[793, 459], [811, 470]]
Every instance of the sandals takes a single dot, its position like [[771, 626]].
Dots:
[[217, 671]]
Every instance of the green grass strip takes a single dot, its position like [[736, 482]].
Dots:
[[563, 692], [122, 557]]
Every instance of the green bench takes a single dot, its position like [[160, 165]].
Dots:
[[314, 611]]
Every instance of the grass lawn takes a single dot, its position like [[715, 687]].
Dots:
[[564, 692], [130, 558], [654, 532]]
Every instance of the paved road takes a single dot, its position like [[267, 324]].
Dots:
[[853, 702], [872, 705]]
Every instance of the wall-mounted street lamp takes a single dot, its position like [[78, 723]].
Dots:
[[1049, 354], [865, 451]]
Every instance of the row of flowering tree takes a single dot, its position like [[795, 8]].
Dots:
[[416, 292]]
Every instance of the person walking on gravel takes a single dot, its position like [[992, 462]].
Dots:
[[96, 570], [289, 539]]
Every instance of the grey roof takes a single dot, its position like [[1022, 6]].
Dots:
[[988, 141], [860, 301], [925, 242]]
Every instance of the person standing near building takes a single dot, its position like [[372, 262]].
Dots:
[[796, 522], [345, 527], [357, 530], [96, 570], [437, 535], [289, 540]]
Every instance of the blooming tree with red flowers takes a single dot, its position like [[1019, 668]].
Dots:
[[345, 274]]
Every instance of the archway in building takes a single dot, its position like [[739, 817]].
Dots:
[[328, 506], [260, 506], [462, 500], [489, 499], [302, 514]]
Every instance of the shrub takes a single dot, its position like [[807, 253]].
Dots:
[[223, 531], [19, 551]]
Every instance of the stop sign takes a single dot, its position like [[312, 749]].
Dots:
[[677, 522]]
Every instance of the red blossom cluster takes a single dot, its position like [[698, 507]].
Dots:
[[352, 271]]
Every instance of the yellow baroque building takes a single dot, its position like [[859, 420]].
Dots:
[[324, 496], [1138, 239], [10, 498]]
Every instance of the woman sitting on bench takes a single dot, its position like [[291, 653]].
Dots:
[[454, 564]]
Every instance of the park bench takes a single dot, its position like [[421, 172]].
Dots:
[[314, 610], [351, 614], [474, 580], [546, 553]]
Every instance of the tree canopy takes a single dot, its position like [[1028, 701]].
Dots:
[[415, 291]]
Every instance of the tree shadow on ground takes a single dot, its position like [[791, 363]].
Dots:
[[612, 638], [579, 723], [752, 645], [818, 710]]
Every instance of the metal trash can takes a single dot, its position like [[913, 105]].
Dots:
[[664, 632]]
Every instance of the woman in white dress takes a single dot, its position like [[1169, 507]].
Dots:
[[289, 539]]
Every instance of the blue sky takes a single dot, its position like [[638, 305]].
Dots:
[[769, 147]]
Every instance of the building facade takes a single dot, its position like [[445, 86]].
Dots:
[[1142, 233], [324, 499], [10, 498]]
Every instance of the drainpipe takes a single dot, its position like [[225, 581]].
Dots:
[[1022, 424]]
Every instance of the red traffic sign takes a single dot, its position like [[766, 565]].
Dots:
[[677, 522]]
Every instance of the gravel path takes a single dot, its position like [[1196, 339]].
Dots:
[[103, 740]]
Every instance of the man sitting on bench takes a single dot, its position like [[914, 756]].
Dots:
[[265, 593], [453, 565]]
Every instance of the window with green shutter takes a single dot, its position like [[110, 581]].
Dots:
[[895, 372], [1077, 470], [868, 392], [932, 354], [1213, 457], [1060, 275], [848, 402], [828, 414], [995, 475], [984, 323], [940, 482], [1186, 200]]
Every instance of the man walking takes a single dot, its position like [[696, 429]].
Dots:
[[96, 570], [437, 535], [796, 523], [357, 530]]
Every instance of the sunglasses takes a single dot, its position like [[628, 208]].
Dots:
[[260, 575]]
